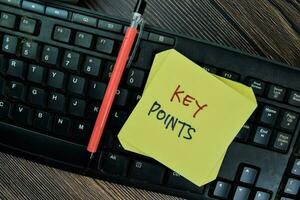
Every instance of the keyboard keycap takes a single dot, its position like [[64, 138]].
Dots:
[[56, 102], [93, 110], [115, 165], [4, 108], [289, 121], [118, 118], [241, 193], [76, 85], [292, 186], [92, 66], [257, 86], [230, 75], [83, 39], [16, 68], [249, 175], [16, 3], [222, 189], [105, 45], [296, 168], [56, 12], [82, 129], [9, 44], [42, 120], [276, 92], [135, 78], [262, 136], [146, 172], [30, 50], [7, 20], [97, 90], [34, 7], [106, 25], [35, 74], [210, 69], [260, 195], [16, 90], [83, 19], [62, 34], [121, 97], [37, 96], [108, 71], [161, 39], [27, 25], [77, 107], [244, 133], [50, 55], [179, 182], [282, 141], [61, 126], [71, 61], [269, 115], [56, 79], [22, 114], [294, 98]]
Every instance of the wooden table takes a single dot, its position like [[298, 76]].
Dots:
[[269, 28]]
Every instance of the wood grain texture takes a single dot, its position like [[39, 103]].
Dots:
[[269, 28]]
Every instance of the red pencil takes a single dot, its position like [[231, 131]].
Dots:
[[115, 78]]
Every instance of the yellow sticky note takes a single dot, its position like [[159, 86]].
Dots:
[[187, 117]]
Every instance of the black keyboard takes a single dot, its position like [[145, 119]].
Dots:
[[55, 62]]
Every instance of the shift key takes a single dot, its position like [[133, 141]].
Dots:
[[146, 172]]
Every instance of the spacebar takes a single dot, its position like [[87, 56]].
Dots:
[[43, 146]]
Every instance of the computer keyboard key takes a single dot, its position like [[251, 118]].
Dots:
[[56, 102], [222, 189], [230, 75], [16, 3], [146, 172], [61, 126], [92, 66], [34, 7], [289, 121], [37, 96], [108, 69], [50, 55], [292, 186], [210, 69], [282, 142], [260, 195], [9, 44], [97, 90], [241, 193], [244, 133], [121, 97], [269, 115], [42, 120], [7, 20], [135, 78], [35, 73], [105, 45], [93, 110], [76, 85], [56, 79], [4, 108], [62, 34], [83, 19], [294, 98], [257, 86], [179, 182], [16, 68], [82, 129], [296, 168], [30, 50], [114, 164], [118, 118], [77, 107], [22, 114], [110, 26], [249, 175], [83, 39], [262, 136], [16, 90], [71, 60], [56, 12], [161, 39], [276, 93], [28, 25]]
